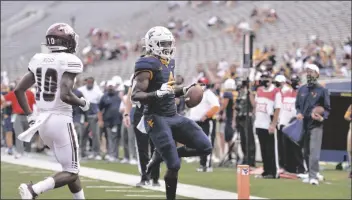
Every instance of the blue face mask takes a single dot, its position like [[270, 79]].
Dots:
[[311, 80]]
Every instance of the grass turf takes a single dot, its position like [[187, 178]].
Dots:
[[336, 186], [13, 175]]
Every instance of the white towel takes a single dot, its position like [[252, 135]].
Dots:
[[28, 134], [141, 126]]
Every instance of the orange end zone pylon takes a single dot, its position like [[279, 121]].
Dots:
[[243, 181]]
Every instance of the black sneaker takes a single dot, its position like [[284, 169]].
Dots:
[[142, 183]]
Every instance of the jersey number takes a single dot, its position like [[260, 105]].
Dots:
[[50, 84]]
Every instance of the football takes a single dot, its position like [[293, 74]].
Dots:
[[194, 96], [318, 110]]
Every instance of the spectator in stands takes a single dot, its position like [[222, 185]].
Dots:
[[110, 118], [271, 16], [309, 96], [222, 68], [182, 30], [348, 117], [93, 94], [20, 122], [216, 21]]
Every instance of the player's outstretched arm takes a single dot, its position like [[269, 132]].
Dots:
[[139, 88], [66, 94], [26, 82]]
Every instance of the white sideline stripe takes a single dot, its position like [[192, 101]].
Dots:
[[185, 190], [136, 191], [109, 186], [141, 195], [89, 180], [35, 172]]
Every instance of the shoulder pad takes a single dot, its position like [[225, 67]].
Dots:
[[147, 63], [34, 60], [73, 64]]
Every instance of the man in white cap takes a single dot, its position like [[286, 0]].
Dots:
[[280, 82], [310, 96]]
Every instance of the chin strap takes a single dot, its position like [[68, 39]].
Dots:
[[164, 61]]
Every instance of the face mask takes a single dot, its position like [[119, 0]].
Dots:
[[311, 80], [294, 85], [264, 83], [89, 87], [111, 91], [277, 84]]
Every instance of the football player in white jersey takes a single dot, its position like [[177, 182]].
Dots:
[[54, 75]]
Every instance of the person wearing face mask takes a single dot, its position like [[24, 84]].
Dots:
[[309, 96], [267, 105], [290, 153], [93, 94], [280, 82], [110, 118]]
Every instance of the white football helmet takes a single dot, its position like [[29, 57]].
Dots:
[[160, 42]]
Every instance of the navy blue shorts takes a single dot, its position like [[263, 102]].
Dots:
[[164, 131]]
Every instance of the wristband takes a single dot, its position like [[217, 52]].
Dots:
[[126, 114]]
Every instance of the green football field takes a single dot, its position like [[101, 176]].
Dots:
[[13, 175], [336, 186]]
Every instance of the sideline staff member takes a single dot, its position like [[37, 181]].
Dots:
[[309, 96]]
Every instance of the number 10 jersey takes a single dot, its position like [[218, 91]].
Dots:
[[48, 70]]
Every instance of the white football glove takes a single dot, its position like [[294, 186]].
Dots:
[[86, 106], [31, 119], [166, 88]]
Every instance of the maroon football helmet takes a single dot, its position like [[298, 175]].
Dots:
[[61, 37]]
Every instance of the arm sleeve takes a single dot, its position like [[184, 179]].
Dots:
[[326, 103], [278, 100], [74, 65]]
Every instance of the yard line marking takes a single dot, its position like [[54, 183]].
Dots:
[[109, 186], [191, 191], [137, 191]]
